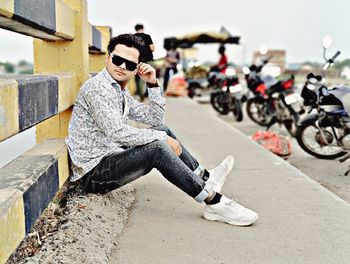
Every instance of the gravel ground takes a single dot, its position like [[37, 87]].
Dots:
[[77, 228]]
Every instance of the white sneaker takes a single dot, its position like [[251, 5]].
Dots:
[[231, 212], [219, 174]]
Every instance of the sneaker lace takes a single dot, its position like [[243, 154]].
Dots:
[[231, 202]]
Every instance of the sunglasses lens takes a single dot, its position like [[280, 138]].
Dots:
[[117, 60], [129, 65]]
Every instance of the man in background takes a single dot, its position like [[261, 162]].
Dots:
[[171, 59], [148, 57]]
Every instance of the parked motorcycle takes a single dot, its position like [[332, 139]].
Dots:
[[325, 131], [273, 101], [229, 96]]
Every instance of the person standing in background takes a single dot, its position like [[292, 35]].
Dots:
[[148, 57], [171, 59], [223, 61]]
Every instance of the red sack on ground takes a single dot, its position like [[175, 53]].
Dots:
[[177, 86], [277, 144]]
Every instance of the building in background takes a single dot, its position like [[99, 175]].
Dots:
[[278, 58]]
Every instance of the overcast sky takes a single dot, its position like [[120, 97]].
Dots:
[[295, 25]]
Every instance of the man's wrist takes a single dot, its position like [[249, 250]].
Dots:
[[152, 84]]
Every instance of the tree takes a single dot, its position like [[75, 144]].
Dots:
[[342, 64], [23, 63], [9, 67]]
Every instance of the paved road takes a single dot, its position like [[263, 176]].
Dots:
[[300, 221], [329, 173]]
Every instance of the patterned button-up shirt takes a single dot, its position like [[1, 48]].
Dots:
[[98, 126]]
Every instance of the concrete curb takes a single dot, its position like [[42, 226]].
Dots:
[[27, 100], [27, 185]]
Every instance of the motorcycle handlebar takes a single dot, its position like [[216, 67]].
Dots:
[[267, 59], [335, 56]]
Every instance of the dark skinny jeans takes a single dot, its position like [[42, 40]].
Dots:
[[120, 168]]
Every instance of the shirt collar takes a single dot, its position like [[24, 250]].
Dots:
[[110, 79]]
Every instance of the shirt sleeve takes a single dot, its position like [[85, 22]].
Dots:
[[109, 119], [152, 113], [149, 39]]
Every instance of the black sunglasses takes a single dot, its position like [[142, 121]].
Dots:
[[129, 65]]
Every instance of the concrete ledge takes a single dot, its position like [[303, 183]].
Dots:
[[66, 90], [99, 37], [49, 20], [27, 100], [12, 227], [106, 35], [98, 42], [27, 185]]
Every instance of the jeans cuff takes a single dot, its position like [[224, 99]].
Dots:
[[198, 170], [202, 195]]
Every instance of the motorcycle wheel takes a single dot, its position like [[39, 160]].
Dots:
[[309, 139], [237, 110], [219, 102], [256, 110], [193, 88]]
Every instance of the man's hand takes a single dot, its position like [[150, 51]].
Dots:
[[175, 145], [147, 73]]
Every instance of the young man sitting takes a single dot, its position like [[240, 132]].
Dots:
[[106, 152]]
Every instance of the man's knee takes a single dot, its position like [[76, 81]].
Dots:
[[160, 144], [160, 147]]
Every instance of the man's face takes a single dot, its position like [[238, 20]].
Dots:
[[120, 73]]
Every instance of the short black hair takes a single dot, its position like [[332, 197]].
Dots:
[[222, 49], [129, 40], [138, 27]]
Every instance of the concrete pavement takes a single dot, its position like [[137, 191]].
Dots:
[[300, 221]]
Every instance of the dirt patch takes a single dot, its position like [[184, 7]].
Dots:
[[77, 228]]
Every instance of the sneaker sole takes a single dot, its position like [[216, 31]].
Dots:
[[214, 217]]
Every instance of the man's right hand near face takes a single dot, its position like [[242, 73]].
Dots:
[[175, 145]]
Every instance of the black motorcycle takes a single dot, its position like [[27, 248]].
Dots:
[[273, 101], [325, 131], [229, 95]]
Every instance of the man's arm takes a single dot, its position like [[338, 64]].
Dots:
[[108, 117], [152, 113], [150, 43]]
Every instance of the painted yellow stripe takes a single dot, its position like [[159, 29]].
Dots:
[[66, 91], [12, 226], [48, 129], [64, 20], [54, 127], [7, 8], [63, 167], [8, 108], [64, 122], [97, 62]]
